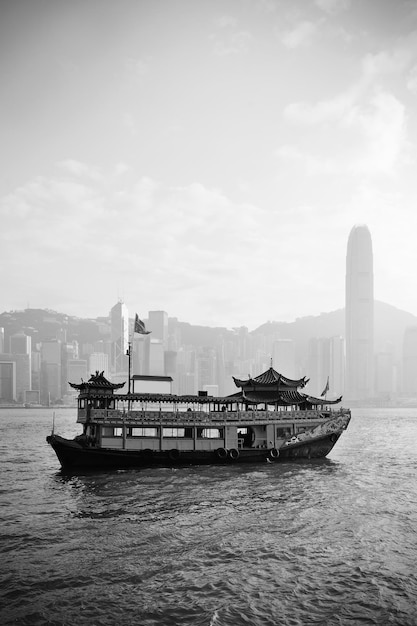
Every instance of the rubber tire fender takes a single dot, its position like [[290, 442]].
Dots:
[[221, 453], [174, 454]]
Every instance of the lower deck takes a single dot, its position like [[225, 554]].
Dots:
[[199, 431]]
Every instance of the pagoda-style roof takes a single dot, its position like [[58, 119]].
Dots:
[[270, 378], [291, 397], [273, 388], [97, 382]]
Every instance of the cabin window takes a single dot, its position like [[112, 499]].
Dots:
[[210, 433], [142, 432], [109, 431], [283, 433], [177, 432], [99, 403], [81, 403]]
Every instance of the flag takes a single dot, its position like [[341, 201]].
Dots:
[[139, 327], [326, 389]]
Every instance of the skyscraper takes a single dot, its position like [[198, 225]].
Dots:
[[359, 314], [119, 320], [158, 325]]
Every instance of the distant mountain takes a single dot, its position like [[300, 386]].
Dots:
[[390, 325], [44, 324]]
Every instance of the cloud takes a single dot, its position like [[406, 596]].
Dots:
[[384, 62], [228, 40], [412, 80], [320, 112], [74, 244], [313, 164], [226, 21], [135, 70], [79, 169], [372, 133], [235, 43], [301, 35], [333, 6], [383, 125], [129, 123], [367, 119]]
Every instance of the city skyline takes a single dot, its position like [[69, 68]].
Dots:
[[209, 159]]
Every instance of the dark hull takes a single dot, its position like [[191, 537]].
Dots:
[[74, 456]]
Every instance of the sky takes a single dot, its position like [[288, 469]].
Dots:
[[206, 158]]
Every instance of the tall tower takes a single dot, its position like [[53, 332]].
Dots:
[[119, 321], [359, 314]]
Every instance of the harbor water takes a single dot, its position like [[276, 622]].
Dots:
[[315, 542]]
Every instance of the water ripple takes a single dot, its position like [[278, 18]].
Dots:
[[326, 542]]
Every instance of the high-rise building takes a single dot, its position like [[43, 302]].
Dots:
[[158, 325], [409, 377], [206, 367], [154, 356], [21, 349], [283, 357], [359, 315], [51, 363], [384, 374], [99, 361], [337, 367], [77, 371], [119, 321], [326, 361], [20, 344], [7, 381], [318, 364]]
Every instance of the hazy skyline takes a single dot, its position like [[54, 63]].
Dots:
[[205, 158]]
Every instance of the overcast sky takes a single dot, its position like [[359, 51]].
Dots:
[[207, 158]]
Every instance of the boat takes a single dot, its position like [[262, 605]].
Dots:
[[269, 419]]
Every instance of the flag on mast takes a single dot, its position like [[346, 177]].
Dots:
[[326, 389], [139, 327]]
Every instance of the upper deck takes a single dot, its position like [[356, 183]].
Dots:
[[173, 417]]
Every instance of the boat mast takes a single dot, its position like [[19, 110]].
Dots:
[[129, 356], [129, 367]]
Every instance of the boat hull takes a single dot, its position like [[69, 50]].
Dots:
[[74, 456]]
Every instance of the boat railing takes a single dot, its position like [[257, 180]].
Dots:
[[190, 416]]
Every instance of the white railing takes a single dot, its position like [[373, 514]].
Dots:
[[195, 417]]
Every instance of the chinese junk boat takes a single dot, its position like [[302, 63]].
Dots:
[[268, 419]]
